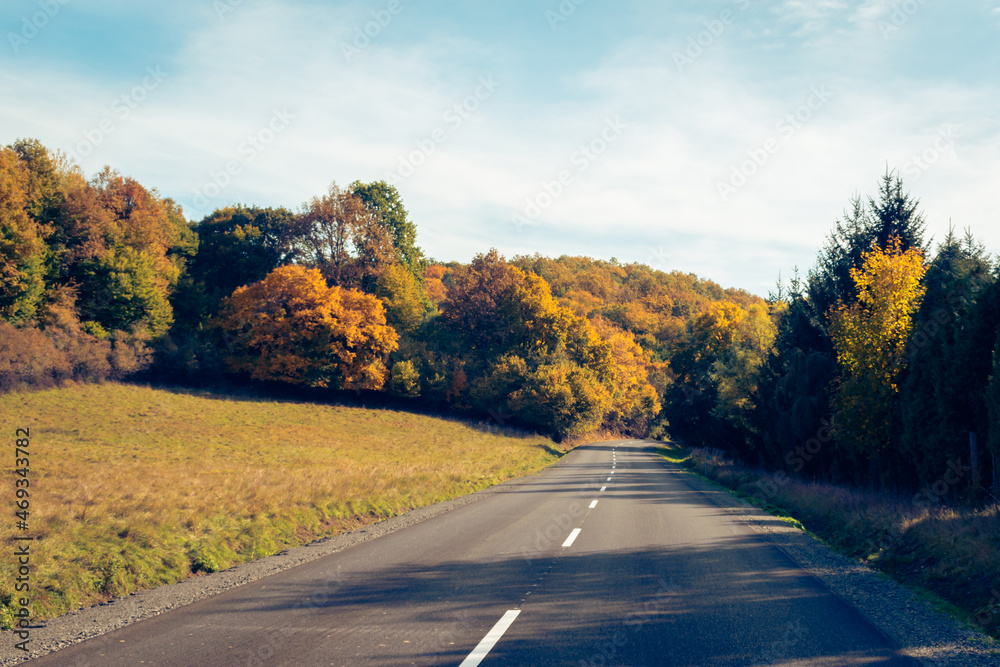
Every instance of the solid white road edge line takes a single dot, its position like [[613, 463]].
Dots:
[[572, 537], [490, 640]]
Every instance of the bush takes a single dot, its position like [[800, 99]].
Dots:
[[37, 358], [29, 358]]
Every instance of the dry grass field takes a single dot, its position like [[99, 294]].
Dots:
[[133, 487]]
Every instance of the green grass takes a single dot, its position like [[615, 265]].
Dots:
[[950, 556], [133, 487]]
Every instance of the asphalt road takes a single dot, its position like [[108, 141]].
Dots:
[[608, 558]]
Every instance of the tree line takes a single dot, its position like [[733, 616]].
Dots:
[[878, 367]]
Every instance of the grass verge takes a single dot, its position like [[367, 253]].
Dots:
[[950, 555], [133, 487]]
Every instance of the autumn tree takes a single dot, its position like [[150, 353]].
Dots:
[[737, 371], [291, 327], [236, 246], [655, 306], [120, 248], [434, 283], [322, 232], [893, 214], [384, 199], [530, 354], [694, 396], [124, 291], [633, 401], [404, 379], [82, 230], [45, 172], [344, 237], [22, 246], [371, 239], [562, 397], [497, 308], [405, 303], [870, 338], [140, 220]]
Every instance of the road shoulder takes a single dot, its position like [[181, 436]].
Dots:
[[899, 613]]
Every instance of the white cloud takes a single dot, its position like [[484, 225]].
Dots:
[[869, 12], [811, 16], [655, 186]]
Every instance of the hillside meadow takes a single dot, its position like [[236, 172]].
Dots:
[[133, 487]]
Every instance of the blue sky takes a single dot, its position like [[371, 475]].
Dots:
[[722, 138]]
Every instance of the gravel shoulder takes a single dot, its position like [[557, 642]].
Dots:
[[906, 619]]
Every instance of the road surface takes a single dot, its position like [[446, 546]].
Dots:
[[608, 558]]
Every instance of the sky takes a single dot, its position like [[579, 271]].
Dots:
[[722, 137]]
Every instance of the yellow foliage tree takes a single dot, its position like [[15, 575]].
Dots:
[[634, 401], [292, 327], [712, 333], [737, 370], [403, 298], [564, 397], [870, 338]]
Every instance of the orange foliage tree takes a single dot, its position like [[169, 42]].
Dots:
[[434, 283], [550, 366], [292, 327]]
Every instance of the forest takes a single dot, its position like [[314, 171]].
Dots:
[[879, 367]]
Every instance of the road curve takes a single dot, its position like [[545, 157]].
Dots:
[[607, 558]]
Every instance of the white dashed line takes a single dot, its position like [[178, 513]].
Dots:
[[572, 537], [593, 504], [602, 489], [490, 640]]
